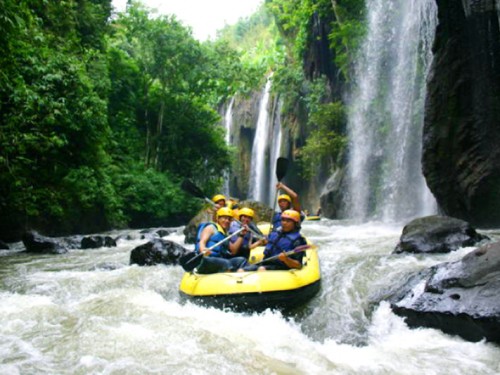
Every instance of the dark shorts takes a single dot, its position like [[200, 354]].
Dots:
[[213, 265]]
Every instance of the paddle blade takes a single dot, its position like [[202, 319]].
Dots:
[[190, 188], [281, 168], [299, 249], [190, 261]]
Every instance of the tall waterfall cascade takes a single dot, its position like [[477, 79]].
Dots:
[[258, 176], [228, 122], [497, 3], [275, 152], [386, 113]]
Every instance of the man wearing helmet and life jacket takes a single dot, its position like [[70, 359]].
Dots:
[[286, 238], [287, 201], [219, 201], [245, 240], [210, 233]]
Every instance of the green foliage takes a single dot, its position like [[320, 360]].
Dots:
[[259, 47], [90, 192], [288, 81], [293, 19], [151, 198], [101, 118], [345, 40], [225, 72], [53, 111], [327, 140]]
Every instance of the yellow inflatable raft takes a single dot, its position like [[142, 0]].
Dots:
[[256, 290], [313, 218]]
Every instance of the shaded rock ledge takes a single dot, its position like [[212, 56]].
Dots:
[[157, 251], [460, 298], [437, 234]]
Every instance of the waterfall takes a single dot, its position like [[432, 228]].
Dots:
[[257, 182], [228, 122], [497, 3], [275, 154], [386, 112]]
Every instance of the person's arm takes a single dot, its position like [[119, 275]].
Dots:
[[292, 194], [234, 247], [261, 242], [291, 263], [235, 244], [207, 232]]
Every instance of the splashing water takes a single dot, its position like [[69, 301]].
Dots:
[[67, 314]]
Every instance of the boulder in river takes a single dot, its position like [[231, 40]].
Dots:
[[460, 298], [157, 251], [36, 243], [97, 241], [437, 234]]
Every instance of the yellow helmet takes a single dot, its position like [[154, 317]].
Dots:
[[224, 211], [285, 197], [292, 215], [246, 211], [218, 197]]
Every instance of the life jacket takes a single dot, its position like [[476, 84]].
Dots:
[[280, 241], [235, 226], [219, 251]]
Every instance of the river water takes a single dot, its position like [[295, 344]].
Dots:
[[89, 312]]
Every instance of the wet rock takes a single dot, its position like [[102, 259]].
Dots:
[[333, 194], [437, 234], [157, 251], [72, 242], [3, 245], [148, 234], [95, 242], [36, 243], [460, 298], [128, 236], [163, 232]]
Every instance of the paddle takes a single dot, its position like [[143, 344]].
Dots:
[[189, 187], [298, 249], [189, 261], [281, 168]]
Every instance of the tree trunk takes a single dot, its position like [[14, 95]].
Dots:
[[159, 129]]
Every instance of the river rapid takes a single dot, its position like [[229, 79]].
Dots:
[[90, 312]]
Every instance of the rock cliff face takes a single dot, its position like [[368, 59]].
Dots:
[[317, 61], [245, 113], [461, 150]]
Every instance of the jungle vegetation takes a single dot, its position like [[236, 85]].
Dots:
[[102, 115]]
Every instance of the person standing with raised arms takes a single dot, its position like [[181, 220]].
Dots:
[[286, 201]]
